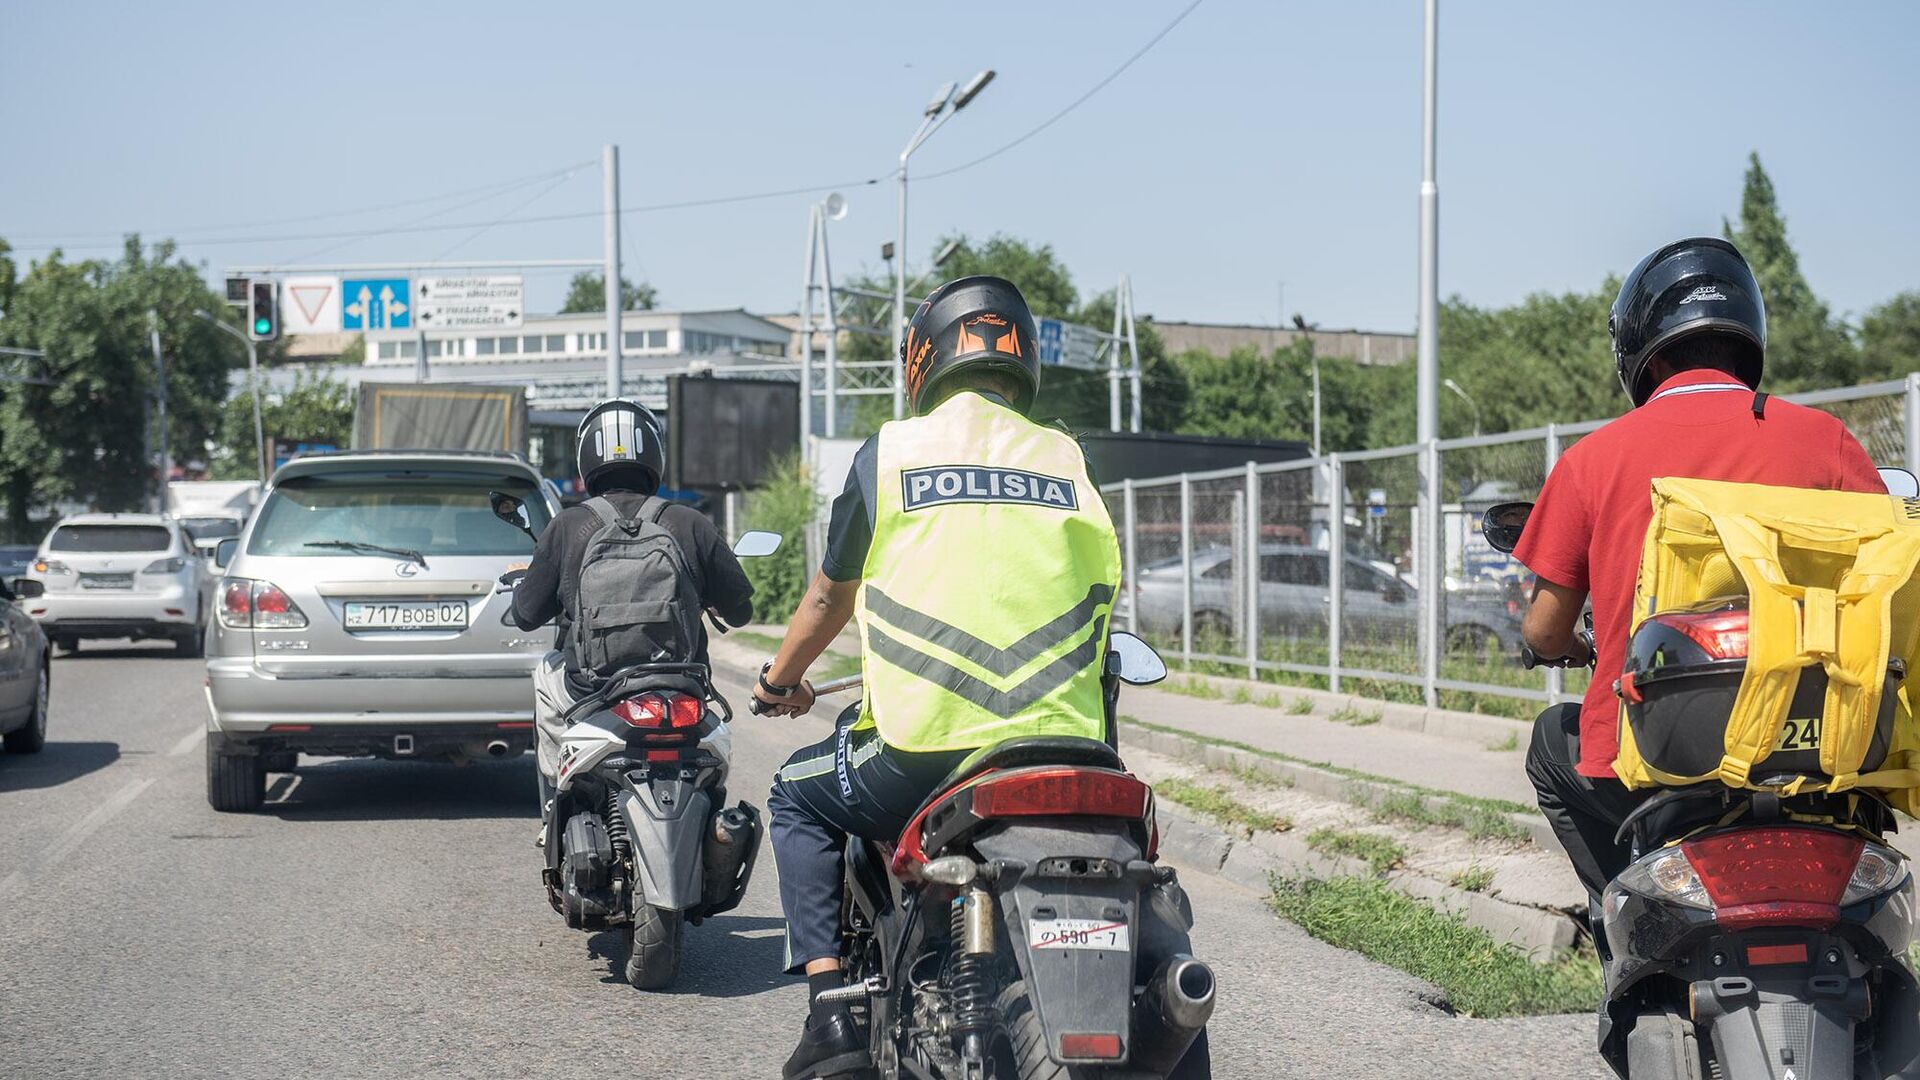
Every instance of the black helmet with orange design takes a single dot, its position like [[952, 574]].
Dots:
[[965, 329]]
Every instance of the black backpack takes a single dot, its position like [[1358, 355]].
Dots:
[[637, 600]]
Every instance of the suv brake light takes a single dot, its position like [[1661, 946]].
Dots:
[[1042, 792], [258, 605]]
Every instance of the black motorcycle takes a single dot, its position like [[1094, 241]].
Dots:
[[1021, 927], [1757, 933]]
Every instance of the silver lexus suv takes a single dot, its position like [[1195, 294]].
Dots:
[[360, 615]]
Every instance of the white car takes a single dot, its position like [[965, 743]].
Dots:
[[121, 576]]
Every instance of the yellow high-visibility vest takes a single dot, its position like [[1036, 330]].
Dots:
[[986, 595]]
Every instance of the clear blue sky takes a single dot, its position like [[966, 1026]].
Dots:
[[1259, 142]]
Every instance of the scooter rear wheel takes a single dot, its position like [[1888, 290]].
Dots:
[[653, 961]]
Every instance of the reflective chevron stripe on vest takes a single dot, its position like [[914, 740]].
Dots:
[[989, 584]]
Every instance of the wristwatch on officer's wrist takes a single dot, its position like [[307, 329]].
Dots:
[[771, 688]]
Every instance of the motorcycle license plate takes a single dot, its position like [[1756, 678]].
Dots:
[[406, 615], [1095, 934], [1799, 734]]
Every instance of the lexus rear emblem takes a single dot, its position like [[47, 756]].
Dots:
[[406, 569]]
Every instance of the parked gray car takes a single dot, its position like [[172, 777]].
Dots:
[[1294, 601], [361, 615]]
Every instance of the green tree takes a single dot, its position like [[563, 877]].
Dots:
[[1806, 348], [588, 292], [319, 408], [785, 504], [1890, 338]]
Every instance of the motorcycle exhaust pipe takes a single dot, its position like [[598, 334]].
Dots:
[[1178, 1003], [497, 748], [727, 856]]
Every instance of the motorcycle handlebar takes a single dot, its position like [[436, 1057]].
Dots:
[[1530, 659], [831, 686]]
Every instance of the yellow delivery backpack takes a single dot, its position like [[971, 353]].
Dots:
[[1818, 590]]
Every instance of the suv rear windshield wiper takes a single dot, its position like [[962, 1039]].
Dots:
[[362, 545]]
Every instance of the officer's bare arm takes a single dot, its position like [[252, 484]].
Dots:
[[1551, 620], [822, 614]]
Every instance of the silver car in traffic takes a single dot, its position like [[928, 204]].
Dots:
[[360, 614]]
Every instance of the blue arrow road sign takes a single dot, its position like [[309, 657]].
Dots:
[[1050, 332], [376, 304]]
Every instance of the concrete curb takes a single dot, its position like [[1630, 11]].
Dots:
[[1484, 731], [1190, 841], [1312, 779]]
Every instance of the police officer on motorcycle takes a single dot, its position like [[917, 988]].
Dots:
[[964, 525]]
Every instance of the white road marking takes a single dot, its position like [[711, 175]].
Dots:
[[75, 835], [763, 932], [187, 742]]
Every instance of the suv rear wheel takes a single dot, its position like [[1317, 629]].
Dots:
[[192, 643], [29, 738], [236, 783]]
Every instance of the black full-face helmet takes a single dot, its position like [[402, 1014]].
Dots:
[[1701, 285], [967, 325], [621, 445]]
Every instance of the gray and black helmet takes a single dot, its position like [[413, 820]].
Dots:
[[621, 445], [1701, 285]]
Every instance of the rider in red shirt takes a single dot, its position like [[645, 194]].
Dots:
[[1689, 335]]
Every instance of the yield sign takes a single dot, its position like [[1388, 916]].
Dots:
[[310, 305]]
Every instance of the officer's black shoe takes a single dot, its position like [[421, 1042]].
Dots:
[[830, 1047]]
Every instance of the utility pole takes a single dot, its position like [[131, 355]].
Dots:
[[160, 375], [1428, 344], [610, 176]]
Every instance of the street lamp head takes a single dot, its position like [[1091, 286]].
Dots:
[[972, 89], [940, 99], [835, 206], [886, 251]]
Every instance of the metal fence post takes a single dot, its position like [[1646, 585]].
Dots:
[[1186, 568], [1251, 627], [1556, 684], [1913, 421], [1432, 586], [1131, 564], [1336, 565]]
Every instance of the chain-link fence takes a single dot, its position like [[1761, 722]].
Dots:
[[1311, 572]]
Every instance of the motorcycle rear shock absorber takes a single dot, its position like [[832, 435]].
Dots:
[[971, 977], [617, 829]]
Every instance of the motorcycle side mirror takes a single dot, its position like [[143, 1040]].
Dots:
[[1139, 664], [1900, 483], [1502, 525], [510, 510], [756, 543]]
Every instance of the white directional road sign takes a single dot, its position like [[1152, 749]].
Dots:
[[310, 305], [469, 303]]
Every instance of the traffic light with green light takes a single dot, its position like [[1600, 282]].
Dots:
[[263, 310]]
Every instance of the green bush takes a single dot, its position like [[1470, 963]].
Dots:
[[786, 505]]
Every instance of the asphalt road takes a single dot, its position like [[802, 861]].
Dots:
[[385, 920]]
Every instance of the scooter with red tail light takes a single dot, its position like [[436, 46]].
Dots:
[[1757, 933]]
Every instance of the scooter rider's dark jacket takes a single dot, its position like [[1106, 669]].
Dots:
[[551, 588]]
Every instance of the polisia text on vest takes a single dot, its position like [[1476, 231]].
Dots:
[[940, 484]]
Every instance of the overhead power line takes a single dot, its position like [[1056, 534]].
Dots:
[[1072, 105]]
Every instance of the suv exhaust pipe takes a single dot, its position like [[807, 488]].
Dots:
[[1178, 1003], [497, 748]]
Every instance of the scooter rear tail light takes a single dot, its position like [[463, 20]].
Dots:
[[1723, 634], [1775, 876], [661, 710], [1044, 792]]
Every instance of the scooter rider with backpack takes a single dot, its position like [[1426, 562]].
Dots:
[[622, 457]]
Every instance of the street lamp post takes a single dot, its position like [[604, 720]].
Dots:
[[943, 107], [253, 382], [1471, 404]]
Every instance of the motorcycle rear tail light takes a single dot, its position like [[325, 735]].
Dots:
[[661, 710], [258, 605], [1764, 955], [1095, 1047], [1043, 792], [1775, 876], [1723, 634]]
